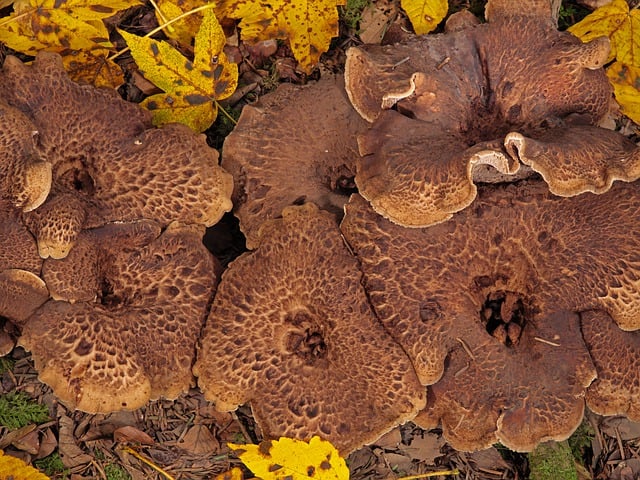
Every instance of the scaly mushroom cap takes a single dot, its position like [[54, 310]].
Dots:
[[577, 159], [514, 74], [616, 355], [25, 178], [296, 144], [105, 152], [291, 332], [431, 189], [17, 246], [21, 293], [138, 342], [489, 287]]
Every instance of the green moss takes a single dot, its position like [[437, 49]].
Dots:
[[17, 409], [115, 472], [552, 461], [6, 365], [52, 466], [351, 13]]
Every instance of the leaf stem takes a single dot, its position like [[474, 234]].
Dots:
[[455, 471], [147, 462]]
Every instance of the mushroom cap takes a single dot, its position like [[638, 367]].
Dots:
[[289, 148], [291, 326], [18, 247], [577, 159], [25, 178], [105, 152], [138, 342], [21, 293], [80, 276], [495, 277], [616, 355], [423, 176]]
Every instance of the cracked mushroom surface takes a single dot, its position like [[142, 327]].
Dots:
[[294, 145], [486, 304], [467, 87], [136, 342], [291, 332], [616, 355], [108, 159]]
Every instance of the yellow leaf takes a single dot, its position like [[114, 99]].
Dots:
[[626, 88], [292, 459], [5, 3], [425, 15], [192, 88], [619, 24], [233, 474], [184, 30], [59, 24], [309, 25], [12, 468], [93, 68]]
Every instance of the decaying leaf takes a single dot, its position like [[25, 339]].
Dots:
[[192, 88], [617, 22], [233, 474], [626, 88], [425, 15], [293, 459], [12, 468], [182, 31], [73, 28], [308, 25]]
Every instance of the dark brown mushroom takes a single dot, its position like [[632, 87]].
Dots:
[[494, 294], [291, 332], [137, 342], [468, 88], [297, 144], [107, 158]]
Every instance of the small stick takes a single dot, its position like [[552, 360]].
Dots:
[[455, 471], [466, 348], [404, 60], [548, 342], [443, 63]]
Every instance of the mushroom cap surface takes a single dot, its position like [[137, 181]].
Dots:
[[494, 278], [18, 247], [25, 177], [21, 293], [465, 88], [292, 333], [616, 355], [106, 153], [138, 341], [296, 144]]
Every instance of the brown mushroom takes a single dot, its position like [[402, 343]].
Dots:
[[493, 293], [292, 333], [21, 293], [616, 355], [295, 145], [17, 245], [137, 342], [25, 177], [468, 88], [107, 156]]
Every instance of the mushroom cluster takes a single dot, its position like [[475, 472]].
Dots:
[[101, 223], [505, 298]]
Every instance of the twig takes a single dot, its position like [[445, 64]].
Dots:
[[466, 348], [455, 471], [147, 462], [548, 342]]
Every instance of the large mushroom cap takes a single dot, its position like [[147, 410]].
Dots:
[[470, 87], [495, 290], [138, 341], [109, 163], [297, 144], [291, 332], [21, 293]]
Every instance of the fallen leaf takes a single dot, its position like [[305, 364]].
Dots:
[[292, 459], [14, 469], [233, 474], [71, 454], [425, 15], [617, 22], [191, 89], [620, 426], [199, 439], [425, 448], [626, 88], [184, 30], [29, 443], [376, 19], [93, 68], [308, 25], [129, 434]]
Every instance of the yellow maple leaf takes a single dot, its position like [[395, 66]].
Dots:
[[293, 459], [308, 25], [617, 22], [192, 88], [425, 15], [626, 88], [234, 474], [12, 468], [93, 67], [182, 31], [36, 25]]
